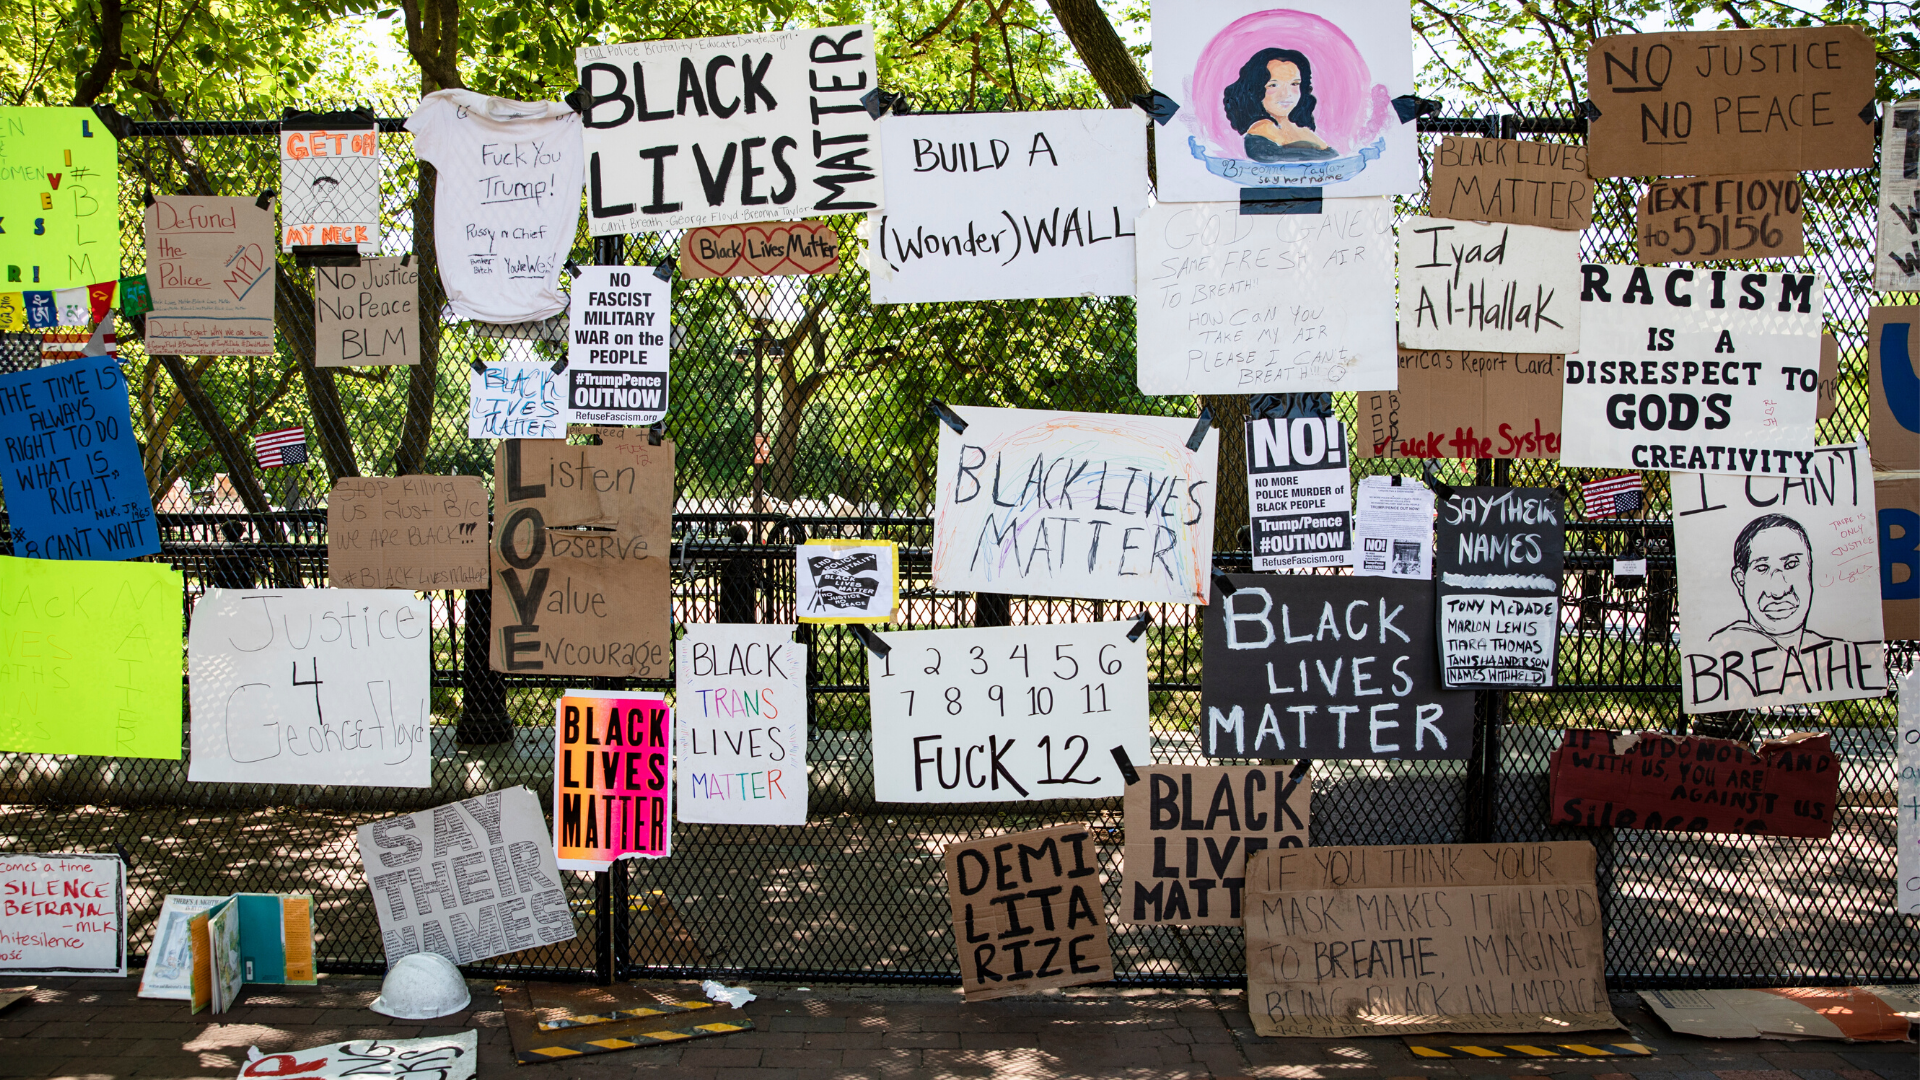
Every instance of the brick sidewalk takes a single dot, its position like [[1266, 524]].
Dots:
[[99, 1029]]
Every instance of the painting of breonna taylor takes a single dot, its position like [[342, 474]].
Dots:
[[1779, 584]]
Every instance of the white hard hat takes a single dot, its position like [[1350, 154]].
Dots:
[[421, 987]]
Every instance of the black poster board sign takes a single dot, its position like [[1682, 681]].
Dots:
[[1498, 553], [1315, 666]]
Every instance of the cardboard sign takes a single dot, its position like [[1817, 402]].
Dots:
[[1190, 831], [846, 581], [613, 779], [1008, 713], [1327, 667], [1008, 205], [1897, 503], [1488, 287], [61, 194], [1028, 912], [1651, 780], [742, 735], [1906, 878], [1896, 255], [775, 249], [468, 880], [617, 354], [329, 181], [1779, 585], [169, 971], [74, 485], [439, 1057], [311, 686], [1234, 303], [101, 643], [64, 914], [1465, 405], [1727, 102], [580, 556], [1893, 387], [1298, 495], [210, 268], [1101, 505], [1499, 553], [1520, 183], [367, 314], [408, 532], [1709, 218], [724, 130], [1283, 99], [1702, 370], [1345, 942], [1852, 1013], [514, 399]]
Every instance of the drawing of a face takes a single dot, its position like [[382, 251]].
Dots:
[[1776, 580], [1283, 88]]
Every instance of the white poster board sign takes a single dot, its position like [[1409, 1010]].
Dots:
[[1488, 287], [62, 914], [436, 1057], [1285, 98], [514, 399], [1393, 529], [740, 724], [1101, 505], [330, 181], [1906, 878], [1694, 369], [1779, 585], [1896, 265], [1234, 303], [467, 880], [1298, 492], [722, 130], [617, 330], [311, 686], [1007, 714], [846, 581], [1008, 206]]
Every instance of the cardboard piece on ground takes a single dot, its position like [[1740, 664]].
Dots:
[[1521, 183], [1465, 405], [1190, 830], [435, 1057], [367, 314], [10, 995], [407, 532], [1853, 1013], [1709, 218], [1028, 912], [1649, 780], [1897, 504], [1509, 939], [1829, 375], [1726, 102], [678, 1014], [1893, 386], [66, 914], [763, 249]]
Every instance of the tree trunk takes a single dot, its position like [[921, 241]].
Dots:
[[423, 381], [1230, 413], [1101, 49], [294, 313], [233, 452]]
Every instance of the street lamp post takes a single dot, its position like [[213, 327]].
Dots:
[[762, 344]]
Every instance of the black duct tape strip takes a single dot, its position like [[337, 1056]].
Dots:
[[1222, 582], [1157, 105], [664, 268], [265, 201], [1589, 110], [1280, 200], [1408, 106], [1120, 758], [1869, 113], [1200, 427], [870, 639], [1140, 626], [326, 255], [947, 416]]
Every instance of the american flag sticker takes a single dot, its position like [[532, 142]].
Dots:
[[1613, 496], [288, 446]]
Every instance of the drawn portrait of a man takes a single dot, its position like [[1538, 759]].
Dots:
[[1773, 573]]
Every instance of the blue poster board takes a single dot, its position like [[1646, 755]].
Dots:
[[73, 482]]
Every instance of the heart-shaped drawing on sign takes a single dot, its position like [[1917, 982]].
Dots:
[[768, 249], [717, 252]]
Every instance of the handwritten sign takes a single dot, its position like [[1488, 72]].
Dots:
[[210, 269], [1465, 405], [1652, 780], [1898, 505], [1327, 667], [1010, 487], [98, 645], [1298, 492], [64, 914], [407, 532], [442, 1057], [311, 686], [75, 488], [1699, 219], [1234, 303], [1007, 714], [1344, 942], [846, 581], [1896, 258], [60, 197], [468, 880], [612, 779], [1028, 913], [617, 353], [773, 249], [742, 694], [1893, 387], [330, 181], [1520, 183], [1498, 555], [1191, 830], [1008, 206], [366, 314], [1702, 370], [725, 130], [580, 556], [1906, 876], [1729, 102], [514, 399], [1488, 287]]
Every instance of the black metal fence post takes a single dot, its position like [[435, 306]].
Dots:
[[484, 720]]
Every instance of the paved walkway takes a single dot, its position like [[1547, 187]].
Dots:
[[98, 1028]]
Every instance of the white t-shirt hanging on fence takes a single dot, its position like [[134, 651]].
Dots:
[[507, 203]]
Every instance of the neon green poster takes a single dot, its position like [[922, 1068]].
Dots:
[[92, 658], [59, 199]]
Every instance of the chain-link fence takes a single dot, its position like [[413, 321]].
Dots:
[[836, 389]]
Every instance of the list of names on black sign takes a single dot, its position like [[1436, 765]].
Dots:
[[1498, 554]]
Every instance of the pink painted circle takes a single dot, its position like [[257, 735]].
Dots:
[[1351, 108]]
